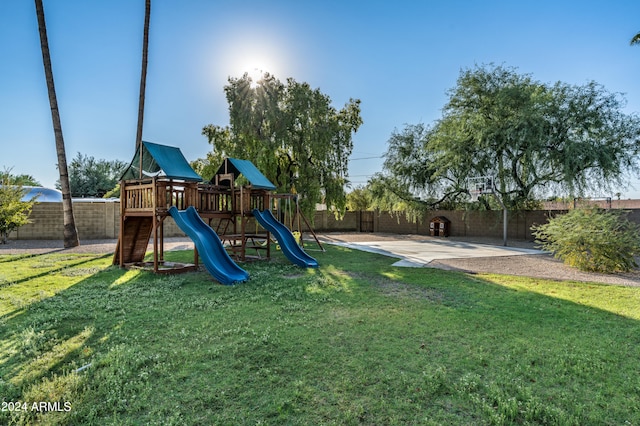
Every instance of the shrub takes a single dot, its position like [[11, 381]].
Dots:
[[13, 212], [592, 239]]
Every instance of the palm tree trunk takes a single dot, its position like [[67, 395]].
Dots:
[[143, 80], [70, 232]]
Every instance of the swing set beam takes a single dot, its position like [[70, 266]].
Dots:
[[293, 216]]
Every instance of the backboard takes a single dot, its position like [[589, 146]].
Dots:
[[480, 185]]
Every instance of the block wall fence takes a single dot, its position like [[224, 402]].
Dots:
[[101, 220]]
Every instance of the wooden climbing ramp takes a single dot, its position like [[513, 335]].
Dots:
[[135, 237]]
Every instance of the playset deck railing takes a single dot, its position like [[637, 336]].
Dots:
[[138, 196], [214, 199], [157, 195]]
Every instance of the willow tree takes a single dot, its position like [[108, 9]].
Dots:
[[70, 232], [292, 133], [534, 138]]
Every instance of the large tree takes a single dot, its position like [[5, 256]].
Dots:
[[292, 133], [70, 232], [532, 137], [359, 199], [22, 180], [635, 39], [89, 177]]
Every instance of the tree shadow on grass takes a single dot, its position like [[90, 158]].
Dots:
[[53, 270]]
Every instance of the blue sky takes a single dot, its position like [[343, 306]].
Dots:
[[398, 57]]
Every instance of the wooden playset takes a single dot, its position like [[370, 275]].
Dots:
[[159, 178]]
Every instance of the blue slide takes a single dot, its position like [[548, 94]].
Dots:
[[288, 243], [210, 248]]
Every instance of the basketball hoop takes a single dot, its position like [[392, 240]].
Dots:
[[485, 185], [479, 185]]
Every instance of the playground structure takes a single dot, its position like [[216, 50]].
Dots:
[[218, 216]]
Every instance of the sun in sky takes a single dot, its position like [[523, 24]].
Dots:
[[257, 61], [255, 74]]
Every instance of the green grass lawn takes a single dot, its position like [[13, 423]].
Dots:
[[356, 341]]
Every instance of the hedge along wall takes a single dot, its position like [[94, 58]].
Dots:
[[101, 220]]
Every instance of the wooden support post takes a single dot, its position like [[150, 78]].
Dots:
[[154, 204], [161, 242], [119, 248]]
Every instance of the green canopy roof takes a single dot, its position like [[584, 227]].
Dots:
[[162, 161], [247, 169]]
